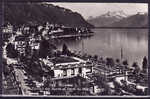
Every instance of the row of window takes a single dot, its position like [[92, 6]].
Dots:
[[73, 71], [21, 43]]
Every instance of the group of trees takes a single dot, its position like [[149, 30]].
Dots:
[[46, 49], [124, 66], [101, 81], [6, 69], [31, 61], [11, 52], [145, 64], [110, 62], [137, 72]]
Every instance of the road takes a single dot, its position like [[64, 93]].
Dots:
[[20, 77]]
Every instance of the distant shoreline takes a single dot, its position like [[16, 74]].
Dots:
[[120, 28]]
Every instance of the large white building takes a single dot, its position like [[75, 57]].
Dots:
[[70, 69]]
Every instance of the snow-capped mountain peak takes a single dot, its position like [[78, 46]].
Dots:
[[118, 14]]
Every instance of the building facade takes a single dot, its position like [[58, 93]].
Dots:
[[20, 44]]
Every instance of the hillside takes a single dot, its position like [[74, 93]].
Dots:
[[138, 20], [22, 13]]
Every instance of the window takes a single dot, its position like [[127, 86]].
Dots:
[[72, 71], [89, 70], [80, 70], [65, 72]]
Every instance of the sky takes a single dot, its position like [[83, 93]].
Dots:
[[97, 9]]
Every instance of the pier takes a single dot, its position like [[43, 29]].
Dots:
[[72, 36]]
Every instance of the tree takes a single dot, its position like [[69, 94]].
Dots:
[[117, 61], [51, 52], [134, 64], [118, 64], [11, 52], [136, 67], [65, 50], [144, 64], [101, 81], [36, 69], [125, 62], [35, 55], [136, 70], [95, 57], [46, 48], [125, 67], [6, 70], [27, 50], [110, 62], [48, 82]]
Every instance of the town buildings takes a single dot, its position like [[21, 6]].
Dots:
[[20, 44], [7, 32], [61, 70]]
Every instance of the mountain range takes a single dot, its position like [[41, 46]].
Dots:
[[24, 13], [137, 20], [40, 13], [120, 19]]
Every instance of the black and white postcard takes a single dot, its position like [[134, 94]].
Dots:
[[74, 49]]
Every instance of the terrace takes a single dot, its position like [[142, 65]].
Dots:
[[63, 59], [65, 62]]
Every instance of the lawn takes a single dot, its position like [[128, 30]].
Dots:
[[63, 59]]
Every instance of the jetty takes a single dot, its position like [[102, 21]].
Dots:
[[72, 36]]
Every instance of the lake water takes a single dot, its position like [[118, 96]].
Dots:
[[109, 42]]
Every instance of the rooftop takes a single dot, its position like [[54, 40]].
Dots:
[[65, 60]]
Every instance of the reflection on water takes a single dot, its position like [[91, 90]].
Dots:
[[108, 43]]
